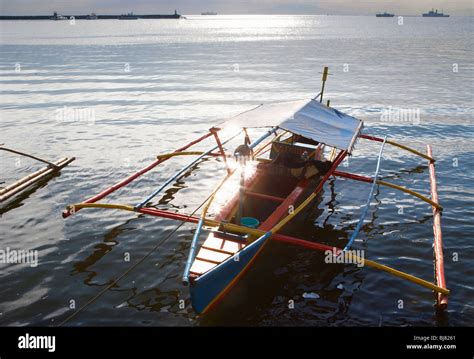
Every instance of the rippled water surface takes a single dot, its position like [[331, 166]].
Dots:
[[139, 88]]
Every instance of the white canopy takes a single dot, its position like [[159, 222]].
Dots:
[[307, 118]]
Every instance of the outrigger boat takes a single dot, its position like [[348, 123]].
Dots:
[[266, 184]]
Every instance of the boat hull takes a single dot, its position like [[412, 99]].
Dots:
[[209, 288]]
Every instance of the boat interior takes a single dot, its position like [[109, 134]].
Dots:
[[265, 200]]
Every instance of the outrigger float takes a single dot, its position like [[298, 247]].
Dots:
[[266, 184], [22, 184]]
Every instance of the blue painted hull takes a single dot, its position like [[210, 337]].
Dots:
[[210, 285]]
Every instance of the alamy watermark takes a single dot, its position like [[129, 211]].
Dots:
[[69, 114], [396, 114], [337, 256], [28, 341], [19, 256]]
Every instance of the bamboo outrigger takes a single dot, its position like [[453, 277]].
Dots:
[[303, 146], [15, 188]]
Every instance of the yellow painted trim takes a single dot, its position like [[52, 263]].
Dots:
[[332, 154], [258, 233], [370, 263], [413, 193], [409, 149], [173, 154], [406, 276], [102, 205], [288, 218]]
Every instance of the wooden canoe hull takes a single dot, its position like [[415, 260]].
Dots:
[[220, 263], [209, 288]]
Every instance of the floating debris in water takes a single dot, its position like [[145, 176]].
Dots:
[[165, 309], [340, 286], [311, 295]]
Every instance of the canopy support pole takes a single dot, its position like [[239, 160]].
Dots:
[[221, 148]]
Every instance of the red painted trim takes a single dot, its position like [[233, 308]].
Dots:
[[277, 237], [221, 149], [353, 176], [264, 196], [170, 215], [129, 179], [303, 243], [282, 209], [442, 299], [372, 138]]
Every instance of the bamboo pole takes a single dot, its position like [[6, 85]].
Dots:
[[27, 181], [23, 180], [325, 77], [441, 298]]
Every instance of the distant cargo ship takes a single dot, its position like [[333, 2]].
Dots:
[[128, 16], [209, 13], [92, 16], [57, 16], [385, 14], [434, 13]]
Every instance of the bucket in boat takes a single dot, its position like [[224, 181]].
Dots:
[[249, 222]]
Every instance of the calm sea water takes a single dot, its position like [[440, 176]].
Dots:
[[116, 93]]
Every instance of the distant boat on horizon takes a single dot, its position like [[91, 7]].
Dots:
[[57, 16], [129, 16], [209, 13], [92, 16], [385, 14], [434, 13]]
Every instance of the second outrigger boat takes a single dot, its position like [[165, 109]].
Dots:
[[266, 184]]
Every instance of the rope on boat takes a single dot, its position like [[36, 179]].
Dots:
[[131, 268], [369, 199]]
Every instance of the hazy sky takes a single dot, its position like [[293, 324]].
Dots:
[[341, 7]]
